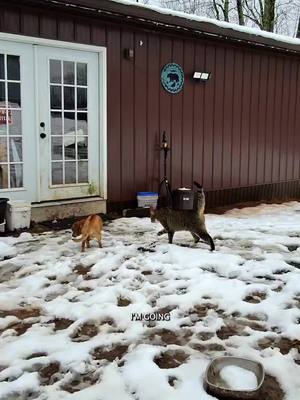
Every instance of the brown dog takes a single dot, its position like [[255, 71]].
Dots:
[[89, 228]]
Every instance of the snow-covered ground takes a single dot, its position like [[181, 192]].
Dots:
[[66, 317]]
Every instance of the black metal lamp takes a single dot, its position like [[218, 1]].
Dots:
[[165, 194]]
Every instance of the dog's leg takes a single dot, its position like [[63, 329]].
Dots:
[[170, 234], [196, 237], [99, 240], [165, 230], [83, 246], [207, 239], [211, 243], [88, 243]]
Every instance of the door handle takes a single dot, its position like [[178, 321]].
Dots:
[[42, 134]]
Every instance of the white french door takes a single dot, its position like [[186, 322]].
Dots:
[[17, 121], [52, 119], [68, 123]]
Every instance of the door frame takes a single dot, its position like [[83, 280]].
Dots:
[[27, 109], [75, 189], [102, 93]]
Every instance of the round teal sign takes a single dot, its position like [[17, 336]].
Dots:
[[172, 77]]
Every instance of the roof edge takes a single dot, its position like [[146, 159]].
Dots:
[[157, 16]]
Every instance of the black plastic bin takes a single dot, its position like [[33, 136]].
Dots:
[[184, 199], [3, 203]]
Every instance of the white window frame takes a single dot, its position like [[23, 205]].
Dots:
[[8, 163], [102, 96]]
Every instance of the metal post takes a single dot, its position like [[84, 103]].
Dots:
[[165, 201]]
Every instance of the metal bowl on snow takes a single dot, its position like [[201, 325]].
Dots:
[[215, 385]]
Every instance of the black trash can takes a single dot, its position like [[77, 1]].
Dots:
[[184, 199], [3, 202]]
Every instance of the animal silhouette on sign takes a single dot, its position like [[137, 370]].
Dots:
[[173, 79]]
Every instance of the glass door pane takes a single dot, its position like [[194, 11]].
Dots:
[[68, 117], [11, 141]]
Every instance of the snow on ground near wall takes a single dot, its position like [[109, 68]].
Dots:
[[66, 317]]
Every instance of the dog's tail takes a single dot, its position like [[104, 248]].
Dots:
[[198, 186], [80, 238]]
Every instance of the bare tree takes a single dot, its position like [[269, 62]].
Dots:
[[240, 11], [189, 6], [221, 6], [269, 15], [261, 13], [298, 29], [280, 16]]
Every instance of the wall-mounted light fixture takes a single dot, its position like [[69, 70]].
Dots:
[[129, 54], [202, 76]]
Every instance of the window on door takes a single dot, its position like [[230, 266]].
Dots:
[[69, 122], [11, 157]]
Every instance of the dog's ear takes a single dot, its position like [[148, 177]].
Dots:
[[198, 186]]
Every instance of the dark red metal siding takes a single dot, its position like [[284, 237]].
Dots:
[[114, 153], [152, 114], [198, 112], [239, 129], [229, 76], [296, 129], [176, 121]]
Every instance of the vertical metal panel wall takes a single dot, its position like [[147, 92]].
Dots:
[[238, 130]]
